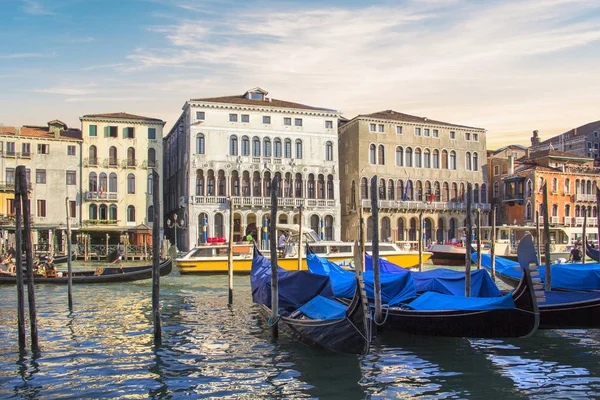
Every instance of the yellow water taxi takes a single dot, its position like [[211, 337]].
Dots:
[[213, 258]]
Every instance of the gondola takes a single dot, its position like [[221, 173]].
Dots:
[[436, 314], [592, 252], [60, 259], [99, 275], [308, 310], [564, 307]]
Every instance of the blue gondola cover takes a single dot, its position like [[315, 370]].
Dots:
[[436, 301], [442, 280], [323, 308]]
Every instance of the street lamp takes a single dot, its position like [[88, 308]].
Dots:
[[174, 223]]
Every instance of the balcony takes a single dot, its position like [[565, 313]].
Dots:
[[111, 162], [152, 164], [90, 162], [265, 201], [421, 205], [590, 221], [585, 197], [25, 154], [554, 220], [129, 163], [100, 222], [101, 196], [10, 153], [10, 185], [568, 221]]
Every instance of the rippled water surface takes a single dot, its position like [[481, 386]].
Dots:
[[103, 349]]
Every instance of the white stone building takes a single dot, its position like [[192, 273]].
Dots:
[[120, 151], [52, 158], [233, 146]]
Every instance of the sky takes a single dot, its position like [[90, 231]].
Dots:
[[509, 67]]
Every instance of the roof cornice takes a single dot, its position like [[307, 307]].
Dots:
[[271, 109]]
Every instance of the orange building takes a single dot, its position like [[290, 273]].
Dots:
[[572, 180]]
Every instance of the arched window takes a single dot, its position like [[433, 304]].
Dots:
[[475, 162], [329, 151], [277, 145], [399, 156], [266, 147], [150, 215], [200, 145], [483, 193], [444, 159], [328, 227], [372, 154], [255, 147], [298, 188], [353, 193], [102, 183], [555, 210], [152, 158], [93, 156], [409, 157], [364, 188], [419, 189], [528, 211], [454, 193], [426, 158], [199, 183], [529, 189], [445, 192], [150, 185], [299, 149], [400, 195], [381, 189], [554, 185], [233, 145], [131, 157], [93, 178], [93, 212], [330, 193], [103, 212], [131, 183], [390, 189], [245, 146], [112, 156], [400, 228], [567, 186], [451, 229], [496, 190], [381, 155], [567, 210], [219, 230], [287, 148], [386, 230], [112, 212], [130, 214], [468, 166], [440, 231], [311, 186], [476, 193], [435, 158], [112, 183], [418, 158], [412, 231], [452, 161]]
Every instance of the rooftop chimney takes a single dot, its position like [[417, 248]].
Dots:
[[535, 139], [511, 165]]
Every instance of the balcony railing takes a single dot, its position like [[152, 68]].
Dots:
[[568, 221], [10, 185], [102, 196], [10, 153], [129, 163], [150, 164], [585, 197], [421, 205], [590, 221], [90, 162], [100, 222], [554, 220], [265, 201]]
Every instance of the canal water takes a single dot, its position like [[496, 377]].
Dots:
[[103, 349]]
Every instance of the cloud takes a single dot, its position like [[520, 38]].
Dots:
[[34, 7], [69, 91], [26, 55]]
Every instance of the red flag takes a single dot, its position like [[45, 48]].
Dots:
[[431, 197]]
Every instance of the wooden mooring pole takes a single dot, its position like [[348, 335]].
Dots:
[[274, 272], [546, 237], [598, 214], [468, 243], [493, 246], [479, 248], [156, 259], [375, 249], [538, 238], [300, 238], [21, 181], [230, 253], [584, 234], [19, 267], [420, 241], [69, 267]]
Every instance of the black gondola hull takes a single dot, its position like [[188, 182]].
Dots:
[[521, 321], [348, 335], [108, 275]]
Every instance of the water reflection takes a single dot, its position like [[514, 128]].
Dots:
[[104, 348]]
